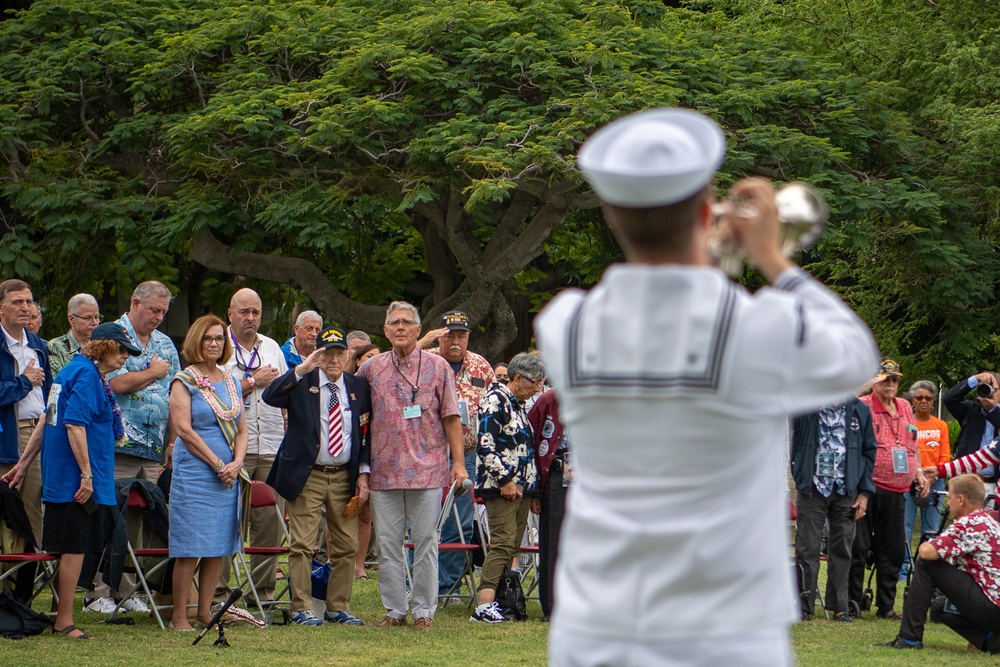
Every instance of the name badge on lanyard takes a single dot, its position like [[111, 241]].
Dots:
[[900, 464], [411, 412], [825, 464]]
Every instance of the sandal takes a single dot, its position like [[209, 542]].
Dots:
[[71, 628], [361, 576]]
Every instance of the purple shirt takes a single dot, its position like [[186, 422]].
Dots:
[[410, 453]]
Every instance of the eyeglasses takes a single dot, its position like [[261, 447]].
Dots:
[[395, 323], [122, 349], [90, 318], [213, 339], [923, 398], [533, 382]]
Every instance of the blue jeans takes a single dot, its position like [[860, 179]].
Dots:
[[930, 518], [451, 564]]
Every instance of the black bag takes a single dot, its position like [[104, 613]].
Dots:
[[18, 620], [510, 596]]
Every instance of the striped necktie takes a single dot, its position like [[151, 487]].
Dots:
[[335, 442]]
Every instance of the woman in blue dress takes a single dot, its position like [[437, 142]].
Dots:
[[206, 413]]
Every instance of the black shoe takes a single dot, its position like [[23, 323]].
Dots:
[[843, 617], [900, 643], [890, 615], [993, 643]]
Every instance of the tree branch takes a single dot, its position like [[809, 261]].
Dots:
[[213, 254]]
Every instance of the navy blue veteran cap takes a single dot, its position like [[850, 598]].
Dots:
[[455, 320], [332, 337], [116, 332]]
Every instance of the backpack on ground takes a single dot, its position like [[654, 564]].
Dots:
[[510, 596], [18, 620]]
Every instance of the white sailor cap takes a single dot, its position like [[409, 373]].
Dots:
[[652, 158]]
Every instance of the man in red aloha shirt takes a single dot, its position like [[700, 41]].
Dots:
[[963, 562]]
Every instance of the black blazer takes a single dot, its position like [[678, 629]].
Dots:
[[972, 417], [300, 446]]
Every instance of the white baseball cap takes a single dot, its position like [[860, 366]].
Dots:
[[652, 158]]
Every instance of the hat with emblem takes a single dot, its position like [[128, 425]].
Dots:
[[332, 337], [116, 332], [455, 320], [888, 368], [652, 158]]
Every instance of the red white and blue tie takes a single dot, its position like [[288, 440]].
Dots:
[[335, 442]]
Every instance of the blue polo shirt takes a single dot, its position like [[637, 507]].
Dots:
[[78, 398]]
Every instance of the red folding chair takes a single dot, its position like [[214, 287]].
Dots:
[[262, 495], [153, 564], [463, 545]]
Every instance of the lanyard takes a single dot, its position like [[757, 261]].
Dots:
[[247, 367], [414, 386]]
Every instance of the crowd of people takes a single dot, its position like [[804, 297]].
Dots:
[[354, 440], [862, 468], [677, 449]]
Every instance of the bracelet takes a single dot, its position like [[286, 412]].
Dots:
[[86, 477], [219, 466], [252, 381]]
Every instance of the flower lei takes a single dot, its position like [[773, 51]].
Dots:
[[207, 392], [117, 425]]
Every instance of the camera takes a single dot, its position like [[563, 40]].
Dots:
[[984, 391]]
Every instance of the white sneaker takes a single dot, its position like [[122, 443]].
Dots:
[[488, 613], [99, 605], [135, 604]]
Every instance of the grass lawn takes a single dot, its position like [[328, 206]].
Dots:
[[453, 641]]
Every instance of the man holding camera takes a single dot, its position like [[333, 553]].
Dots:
[[980, 418]]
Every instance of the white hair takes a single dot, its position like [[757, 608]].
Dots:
[[308, 315], [402, 305], [80, 300]]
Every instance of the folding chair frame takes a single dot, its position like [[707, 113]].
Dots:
[[261, 495]]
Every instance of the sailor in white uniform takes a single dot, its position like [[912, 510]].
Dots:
[[676, 386]]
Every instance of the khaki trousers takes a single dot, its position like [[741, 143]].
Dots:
[[508, 519], [329, 490]]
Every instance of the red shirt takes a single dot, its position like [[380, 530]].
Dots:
[[893, 433]]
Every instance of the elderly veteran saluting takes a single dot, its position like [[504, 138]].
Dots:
[[415, 429], [323, 462], [676, 386]]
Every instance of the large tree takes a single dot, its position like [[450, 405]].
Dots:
[[363, 151]]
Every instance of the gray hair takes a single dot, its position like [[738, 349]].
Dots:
[[151, 289], [357, 335], [308, 315], [401, 305], [923, 384], [527, 366], [80, 300]]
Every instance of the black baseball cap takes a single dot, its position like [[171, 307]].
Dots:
[[116, 332], [455, 320], [332, 337]]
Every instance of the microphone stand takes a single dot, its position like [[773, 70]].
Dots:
[[217, 620]]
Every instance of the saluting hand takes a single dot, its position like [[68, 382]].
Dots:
[[309, 363]]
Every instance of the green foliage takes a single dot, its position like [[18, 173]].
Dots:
[[344, 133]]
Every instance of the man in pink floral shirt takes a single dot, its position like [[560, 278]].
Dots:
[[964, 564], [416, 437]]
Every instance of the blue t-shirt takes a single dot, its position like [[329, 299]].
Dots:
[[78, 398]]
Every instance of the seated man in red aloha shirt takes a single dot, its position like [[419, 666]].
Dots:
[[963, 562]]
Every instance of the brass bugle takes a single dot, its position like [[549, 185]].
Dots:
[[802, 213]]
